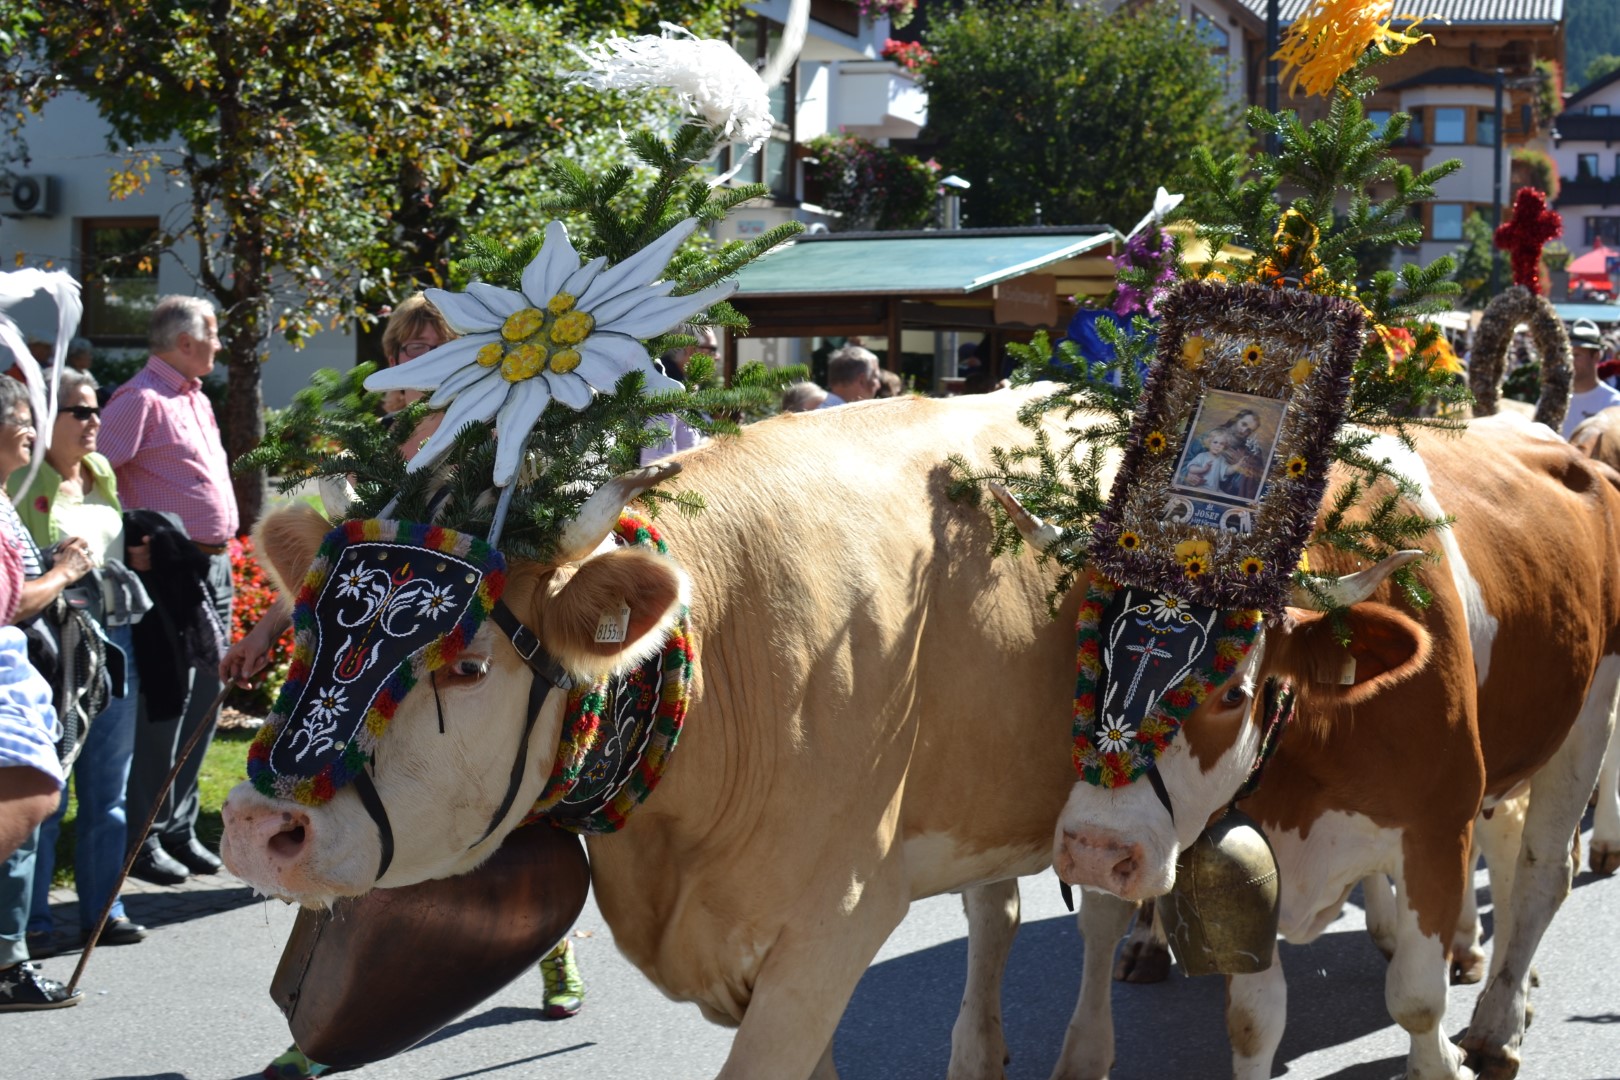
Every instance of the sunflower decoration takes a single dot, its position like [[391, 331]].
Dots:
[[1195, 565], [1253, 353], [1300, 372], [1155, 442], [1296, 467], [1331, 36], [1252, 566], [1188, 550], [1130, 541], [1192, 351]]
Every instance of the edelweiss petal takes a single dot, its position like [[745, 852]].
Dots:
[[639, 269], [465, 313], [543, 278], [522, 409], [661, 315], [428, 371]]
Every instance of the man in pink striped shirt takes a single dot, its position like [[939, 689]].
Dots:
[[159, 432]]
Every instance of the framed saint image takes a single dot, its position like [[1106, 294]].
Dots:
[[1229, 447]]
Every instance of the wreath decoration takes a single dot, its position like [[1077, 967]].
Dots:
[[1488, 367]]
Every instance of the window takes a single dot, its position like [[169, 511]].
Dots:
[[1586, 166], [1414, 132], [1379, 117], [1485, 128], [1597, 110], [1450, 126], [118, 260], [1218, 40], [1446, 221], [755, 37], [1604, 230]]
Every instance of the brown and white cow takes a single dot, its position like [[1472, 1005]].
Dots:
[[879, 714], [1508, 678]]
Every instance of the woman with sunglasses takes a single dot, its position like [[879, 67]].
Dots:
[[76, 494]]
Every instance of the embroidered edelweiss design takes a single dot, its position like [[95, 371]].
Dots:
[[328, 704], [350, 582], [1169, 609], [1114, 737], [572, 331], [435, 601], [1253, 353], [1155, 442]]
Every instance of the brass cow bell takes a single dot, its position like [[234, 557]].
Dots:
[[1221, 916], [376, 974]]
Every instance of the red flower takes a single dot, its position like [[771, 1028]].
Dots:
[[41, 503]]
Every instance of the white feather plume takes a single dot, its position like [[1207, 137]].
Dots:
[[19, 285]]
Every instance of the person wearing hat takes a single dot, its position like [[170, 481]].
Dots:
[[1588, 396]]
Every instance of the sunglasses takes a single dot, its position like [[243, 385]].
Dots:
[[82, 413]]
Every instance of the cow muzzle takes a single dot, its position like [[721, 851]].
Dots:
[[1113, 862], [277, 847]]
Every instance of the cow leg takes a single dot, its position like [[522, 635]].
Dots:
[[1467, 955], [1416, 986], [1500, 836], [1379, 899], [1557, 801], [1604, 856], [978, 1045], [806, 981], [1145, 956], [1088, 1045], [1256, 1013]]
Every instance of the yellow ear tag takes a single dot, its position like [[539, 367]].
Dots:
[[614, 626]]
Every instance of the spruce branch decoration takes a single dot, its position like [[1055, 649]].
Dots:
[[1404, 377]]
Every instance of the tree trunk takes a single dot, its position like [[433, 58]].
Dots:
[[243, 423]]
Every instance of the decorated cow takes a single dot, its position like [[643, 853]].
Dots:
[[1405, 721]]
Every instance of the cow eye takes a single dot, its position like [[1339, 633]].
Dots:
[[1235, 696], [469, 668]]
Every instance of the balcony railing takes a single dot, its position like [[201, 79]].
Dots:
[[1587, 191]]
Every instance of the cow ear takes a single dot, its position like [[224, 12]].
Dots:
[[1386, 647], [289, 539], [613, 611]]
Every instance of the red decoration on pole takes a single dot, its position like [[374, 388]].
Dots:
[[1526, 233]]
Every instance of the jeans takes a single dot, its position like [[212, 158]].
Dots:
[[99, 778], [159, 739], [16, 889]]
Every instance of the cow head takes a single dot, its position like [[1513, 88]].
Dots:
[[451, 770], [1122, 831]]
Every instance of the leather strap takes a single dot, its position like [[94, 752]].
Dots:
[[372, 801]]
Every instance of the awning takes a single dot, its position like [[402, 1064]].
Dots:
[[920, 264], [1602, 314]]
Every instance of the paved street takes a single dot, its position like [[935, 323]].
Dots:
[[191, 1004]]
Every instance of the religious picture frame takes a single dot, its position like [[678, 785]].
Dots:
[[1227, 459]]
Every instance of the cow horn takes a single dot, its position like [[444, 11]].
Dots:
[[1039, 535], [601, 511], [1353, 588]]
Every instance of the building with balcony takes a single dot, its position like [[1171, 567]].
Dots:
[[58, 213], [1587, 156]]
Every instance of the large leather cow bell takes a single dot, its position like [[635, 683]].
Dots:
[[377, 974], [1221, 916]]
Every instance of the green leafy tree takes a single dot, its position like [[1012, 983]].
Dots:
[[333, 151], [1474, 261], [1599, 66], [872, 186], [1070, 111]]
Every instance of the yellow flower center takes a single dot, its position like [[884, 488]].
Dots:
[[572, 328], [522, 324], [560, 304], [490, 354], [564, 360], [523, 362]]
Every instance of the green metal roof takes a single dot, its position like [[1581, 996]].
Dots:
[[913, 264], [1598, 313]]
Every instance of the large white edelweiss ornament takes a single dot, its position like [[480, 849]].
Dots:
[[572, 331]]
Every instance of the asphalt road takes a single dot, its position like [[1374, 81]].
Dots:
[[192, 1004]]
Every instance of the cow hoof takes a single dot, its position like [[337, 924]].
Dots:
[[1467, 967], [1497, 1063], [1603, 859], [1142, 962]]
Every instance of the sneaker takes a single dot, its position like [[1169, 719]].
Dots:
[[565, 990], [293, 1065], [23, 988]]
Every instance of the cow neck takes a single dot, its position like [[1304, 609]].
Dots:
[[619, 733]]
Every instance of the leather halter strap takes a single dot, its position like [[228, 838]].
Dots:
[[548, 675]]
